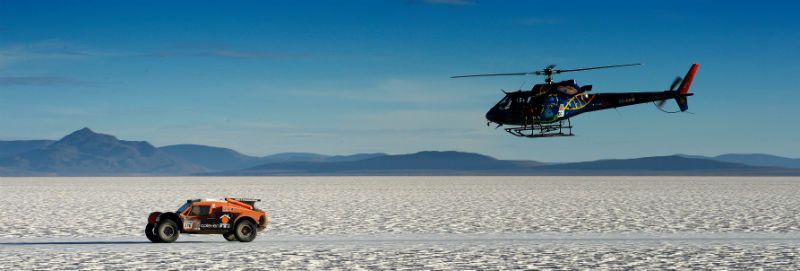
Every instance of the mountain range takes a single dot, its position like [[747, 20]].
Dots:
[[87, 153]]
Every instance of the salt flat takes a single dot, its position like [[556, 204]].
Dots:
[[413, 223]]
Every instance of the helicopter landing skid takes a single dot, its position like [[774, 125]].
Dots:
[[543, 130]]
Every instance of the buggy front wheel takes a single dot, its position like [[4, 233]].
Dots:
[[168, 231]]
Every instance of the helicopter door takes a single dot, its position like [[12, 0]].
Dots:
[[551, 108]]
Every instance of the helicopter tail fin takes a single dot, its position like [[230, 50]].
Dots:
[[683, 89], [687, 81]]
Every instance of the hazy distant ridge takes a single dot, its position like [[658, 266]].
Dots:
[[86, 153], [224, 159], [460, 163]]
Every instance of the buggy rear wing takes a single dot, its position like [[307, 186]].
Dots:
[[248, 201]]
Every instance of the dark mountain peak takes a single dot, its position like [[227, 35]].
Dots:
[[85, 152], [84, 132], [87, 139], [85, 135]]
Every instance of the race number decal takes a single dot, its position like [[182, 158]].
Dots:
[[187, 224]]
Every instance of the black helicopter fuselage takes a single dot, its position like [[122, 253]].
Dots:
[[548, 103], [546, 109]]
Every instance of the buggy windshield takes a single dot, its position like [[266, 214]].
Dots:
[[183, 207]]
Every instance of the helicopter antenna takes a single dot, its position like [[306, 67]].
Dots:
[[547, 72]]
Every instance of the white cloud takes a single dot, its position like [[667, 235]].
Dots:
[[219, 51], [46, 50], [41, 81]]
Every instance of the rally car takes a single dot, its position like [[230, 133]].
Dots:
[[234, 218]]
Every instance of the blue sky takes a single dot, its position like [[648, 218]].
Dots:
[[335, 77]]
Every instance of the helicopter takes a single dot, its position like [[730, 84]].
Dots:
[[546, 109]]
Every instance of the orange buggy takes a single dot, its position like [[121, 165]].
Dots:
[[234, 218]]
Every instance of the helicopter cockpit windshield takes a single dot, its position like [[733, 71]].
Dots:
[[505, 103]]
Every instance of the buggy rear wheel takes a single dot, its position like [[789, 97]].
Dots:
[[150, 232], [245, 231]]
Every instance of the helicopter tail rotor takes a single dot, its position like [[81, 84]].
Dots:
[[682, 90], [675, 83]]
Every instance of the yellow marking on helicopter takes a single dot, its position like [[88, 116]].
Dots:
[[578, 102]]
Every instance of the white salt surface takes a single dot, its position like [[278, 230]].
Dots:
[[413, 223]]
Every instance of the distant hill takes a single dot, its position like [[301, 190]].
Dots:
[[353, 157], [86, 153], [461, 163], [754, 159], [293, 157], [313, 157], [15, 147], [211, 158], [662, 165], [760, 160], [421, 163], [223, 159]]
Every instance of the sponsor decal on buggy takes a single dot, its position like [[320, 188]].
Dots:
[[215, 226], [221, 223], [209, 226]]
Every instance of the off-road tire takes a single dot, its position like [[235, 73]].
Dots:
[[245, 231], [150, 232], [229, 236], [168, 231]]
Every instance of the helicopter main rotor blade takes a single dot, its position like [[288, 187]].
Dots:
[[548, 71], [601, 67], [497, 74]]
